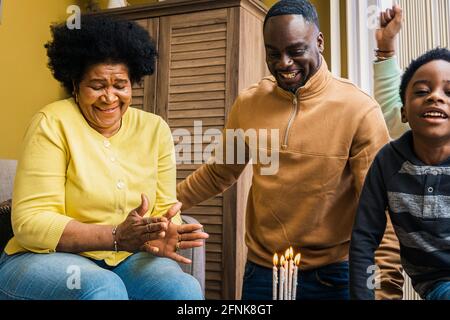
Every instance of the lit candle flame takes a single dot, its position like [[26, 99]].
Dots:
[[291, 253], [275, 260], [286, 254], [297, 259], [282, 260]]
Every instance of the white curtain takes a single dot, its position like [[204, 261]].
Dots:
[[426, 26], [361, 41]]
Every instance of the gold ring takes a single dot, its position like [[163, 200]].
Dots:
[[148, 229], [177, 247]]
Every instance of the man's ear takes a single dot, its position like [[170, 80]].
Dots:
[[320, 42], [404, 115]]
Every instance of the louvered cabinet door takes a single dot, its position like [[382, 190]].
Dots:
[[192, 88], [144, 93]]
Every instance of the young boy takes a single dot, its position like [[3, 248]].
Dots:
[[411, 178]]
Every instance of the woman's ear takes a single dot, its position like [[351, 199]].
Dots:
[[75, 88], [404, 115], [75, 91]]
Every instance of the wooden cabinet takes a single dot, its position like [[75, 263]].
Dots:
[[208, 51]]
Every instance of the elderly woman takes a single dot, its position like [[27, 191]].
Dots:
[[95, 214]]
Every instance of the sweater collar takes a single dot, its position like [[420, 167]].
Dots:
[[405, 146], [314, 85]]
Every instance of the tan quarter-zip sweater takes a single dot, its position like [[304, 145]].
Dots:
[[329, 133]]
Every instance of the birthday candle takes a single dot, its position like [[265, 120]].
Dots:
[[275, 277], [294, 281], [291, 270], [286, 281], [282, 279]]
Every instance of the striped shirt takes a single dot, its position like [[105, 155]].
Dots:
[[417, 197]]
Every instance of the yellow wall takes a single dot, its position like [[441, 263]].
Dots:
[[133, 2], [26, 85], [104, 3], [269, 3]]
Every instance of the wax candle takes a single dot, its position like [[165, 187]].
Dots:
[[286, 281], [275, 277], [294, 281], [282, 279], [290, 273]]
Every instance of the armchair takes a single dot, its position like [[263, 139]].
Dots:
[[7, 173]]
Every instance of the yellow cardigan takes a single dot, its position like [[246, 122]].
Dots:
[[70, 171]]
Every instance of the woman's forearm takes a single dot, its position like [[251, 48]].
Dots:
[[81, 237]]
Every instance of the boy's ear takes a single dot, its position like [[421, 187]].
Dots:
[[404, 115]]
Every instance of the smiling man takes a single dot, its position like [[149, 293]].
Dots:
[[296, 56], [329, 133]]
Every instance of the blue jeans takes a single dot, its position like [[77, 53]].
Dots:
[[324, 283], [440, 291], [66, 276]]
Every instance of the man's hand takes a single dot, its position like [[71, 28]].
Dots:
[[391, 22]]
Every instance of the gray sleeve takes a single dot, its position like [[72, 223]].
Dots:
[[367, 233]]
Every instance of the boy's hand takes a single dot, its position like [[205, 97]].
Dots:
[[391, 22]]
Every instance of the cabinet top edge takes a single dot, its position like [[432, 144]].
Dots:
[[172, 7]]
